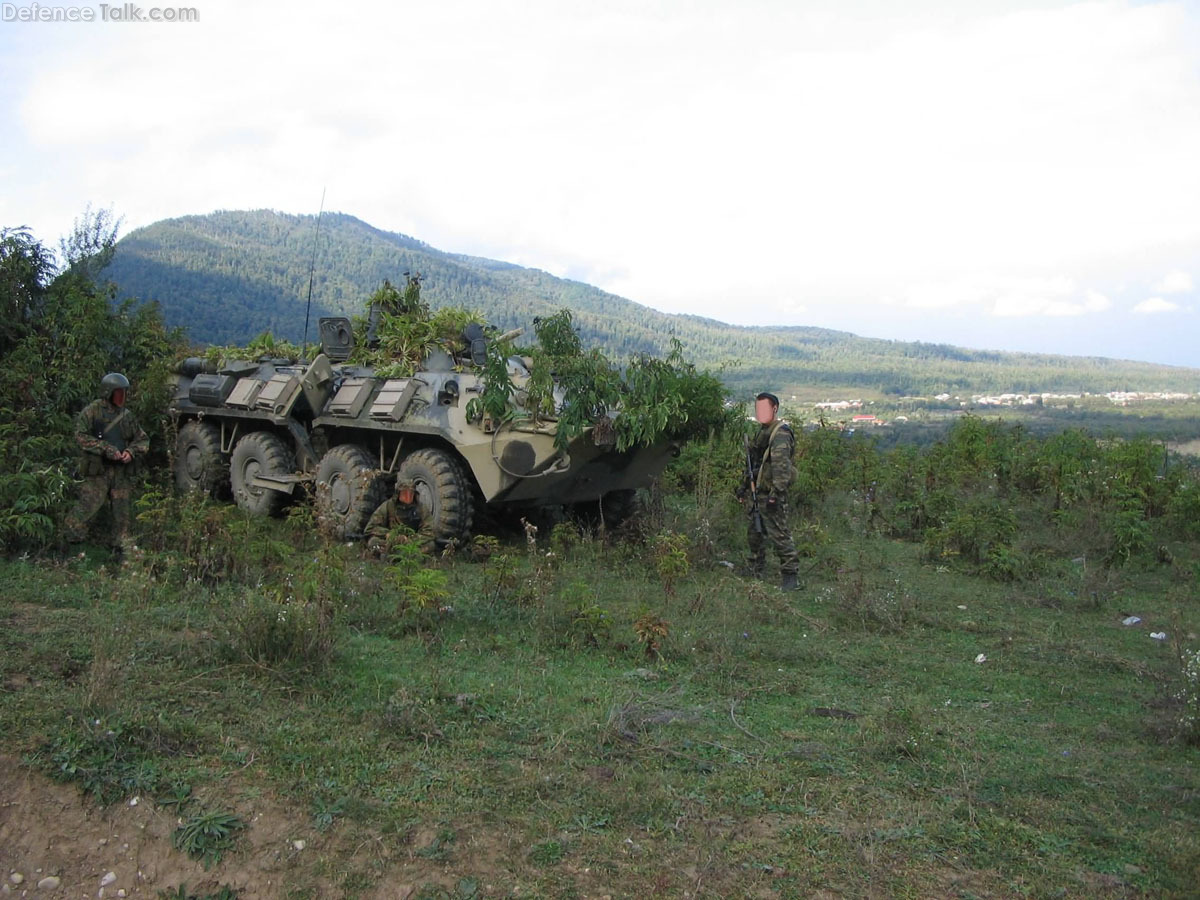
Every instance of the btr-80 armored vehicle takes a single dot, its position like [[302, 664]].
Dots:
[[260, 428]]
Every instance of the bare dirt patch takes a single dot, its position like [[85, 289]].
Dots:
[[51, 831]]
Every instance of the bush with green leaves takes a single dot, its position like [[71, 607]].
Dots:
[[63, 331], [670, 553], [989, 492], [821, 459], [590, 623], [654, 399], [1183, 509], [667, 397], [973, 530], [30, 494], [422, 588]]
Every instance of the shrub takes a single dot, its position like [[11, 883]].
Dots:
[[860, 601], [670, 551], [651, 630], [590, 623], [284, 632], [1183, 510], [973, 531], [29, 495], [1128, 531]]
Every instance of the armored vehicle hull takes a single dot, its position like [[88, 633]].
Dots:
[[256, 430]]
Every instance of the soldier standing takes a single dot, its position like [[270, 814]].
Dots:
[[770, 475], [111, 441], [402, 509]]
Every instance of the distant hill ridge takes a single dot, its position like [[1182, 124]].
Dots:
[[230, 275]]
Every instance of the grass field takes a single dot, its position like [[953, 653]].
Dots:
[[894, 729]]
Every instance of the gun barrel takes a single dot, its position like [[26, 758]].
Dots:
[[756, 519]]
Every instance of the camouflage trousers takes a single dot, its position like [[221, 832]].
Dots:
[[115, 484], [778, 532]]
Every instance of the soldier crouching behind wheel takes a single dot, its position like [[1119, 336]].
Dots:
[[383, 530], [111, 442], [772, 471]]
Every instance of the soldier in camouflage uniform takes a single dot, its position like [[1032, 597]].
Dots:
[[772, 452], [111, 442], [403, 509]]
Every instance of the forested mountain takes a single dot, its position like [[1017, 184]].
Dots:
[[230, 275]]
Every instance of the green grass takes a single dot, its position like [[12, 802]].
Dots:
[[840, 739]]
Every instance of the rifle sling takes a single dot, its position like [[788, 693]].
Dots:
[[111, 425]]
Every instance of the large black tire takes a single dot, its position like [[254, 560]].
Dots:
[[612, 510], [349, 489], [260, 453], [442, 490], [200, 466], [617, 506]]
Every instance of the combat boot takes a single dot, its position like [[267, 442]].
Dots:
[[789, 582]]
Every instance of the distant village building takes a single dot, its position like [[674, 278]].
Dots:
[[1124, 398], [838, 404]]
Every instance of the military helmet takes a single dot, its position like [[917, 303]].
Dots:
[[114, 381], [406, 492]]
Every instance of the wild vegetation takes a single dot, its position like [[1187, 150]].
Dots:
[[578, 388], [953, 705], [62, 332]]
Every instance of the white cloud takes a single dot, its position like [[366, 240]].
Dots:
[[715, 157], [1046, 297], [1177, 282], [791, 308], [1155, 305], [1007, 297]]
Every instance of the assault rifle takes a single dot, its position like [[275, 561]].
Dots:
[[756, 519]]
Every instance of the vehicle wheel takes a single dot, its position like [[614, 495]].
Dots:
[[612, 510], [442, 490], [259, 453], [200, 466], [349, 489], [467, 487], [617, 506]]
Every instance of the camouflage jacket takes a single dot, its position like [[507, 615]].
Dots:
[[102, 438], [383, 522], [772, 453]]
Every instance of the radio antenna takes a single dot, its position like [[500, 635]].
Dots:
[[311, 269]]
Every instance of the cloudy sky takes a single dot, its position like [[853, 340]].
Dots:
[[1010, 175]]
